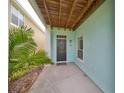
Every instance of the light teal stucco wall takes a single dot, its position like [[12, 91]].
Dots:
[[98, 37], [70, 49], [98, 43]]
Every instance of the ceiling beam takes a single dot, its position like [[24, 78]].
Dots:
[[72, 9], [53, 1], [46, 9], [78, 19], [60, 11]]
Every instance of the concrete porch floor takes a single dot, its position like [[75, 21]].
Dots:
[[66, 78]]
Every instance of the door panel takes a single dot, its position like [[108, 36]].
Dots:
[[61, 49]]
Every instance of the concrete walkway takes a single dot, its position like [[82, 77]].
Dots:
[[66, 78]]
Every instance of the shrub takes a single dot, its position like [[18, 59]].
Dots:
[[22, 53]]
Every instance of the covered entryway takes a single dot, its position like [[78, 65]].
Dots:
[[94, 53], [71, 80]]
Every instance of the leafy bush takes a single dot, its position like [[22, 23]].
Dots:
[[22, 53]]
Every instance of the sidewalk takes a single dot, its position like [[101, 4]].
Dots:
[[66, 78]]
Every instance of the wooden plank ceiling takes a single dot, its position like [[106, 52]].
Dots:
[[67, 13]]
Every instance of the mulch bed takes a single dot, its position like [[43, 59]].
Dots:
[[23, 84]]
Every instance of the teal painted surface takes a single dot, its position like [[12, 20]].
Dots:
[[70, 48], [98, 37]]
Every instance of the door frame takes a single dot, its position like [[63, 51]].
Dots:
[[65, 50]]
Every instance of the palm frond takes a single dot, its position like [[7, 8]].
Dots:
[[22, 52]]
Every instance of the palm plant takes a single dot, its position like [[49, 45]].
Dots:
[[20, 42], [22, 52]]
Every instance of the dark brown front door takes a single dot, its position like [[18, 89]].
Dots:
[[61, 49]]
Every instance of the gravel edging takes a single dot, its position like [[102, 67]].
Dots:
[[23, 84]]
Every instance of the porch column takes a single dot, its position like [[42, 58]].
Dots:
[[48, 41]]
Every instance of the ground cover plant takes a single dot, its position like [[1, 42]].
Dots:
[[23, 56]]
